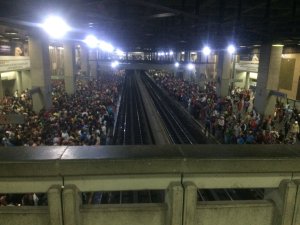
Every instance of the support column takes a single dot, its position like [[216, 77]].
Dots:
[[93, 63], [268, 78], [69, 67], [84, 53], [223, 73], [284, 199], [54, 204], [1, 88], [174, 199], [190, 203], [71, 203], [40, 73]]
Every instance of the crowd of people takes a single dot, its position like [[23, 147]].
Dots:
[[84, 118], [232, 119]]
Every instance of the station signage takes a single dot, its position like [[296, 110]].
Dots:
[[12, 63]]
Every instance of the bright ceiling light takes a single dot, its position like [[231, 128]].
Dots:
[[91, 41], [176, 64], [106, 47], [171, 53], [56, 27], [277, 45], [114, 64], [206, 50], [190, 66], [231, 49]]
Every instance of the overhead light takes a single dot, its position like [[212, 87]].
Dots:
[[231, 49], [107, 47], [171, 52], [190, 66], [243, 46], [91, 41], [256, 45], [11, 32], [182, 53], [206, 50], [114, 64], [16, 38], [176, 64], [277, 45], [55, 26], [162, 15]]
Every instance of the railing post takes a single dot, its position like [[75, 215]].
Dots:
[[284, 199], [71, 203], [190, 203], [54, 204], [174, 200]]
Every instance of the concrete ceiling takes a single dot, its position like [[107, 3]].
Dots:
[[176, 24]]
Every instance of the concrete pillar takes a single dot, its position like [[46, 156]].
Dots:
[[84, 53], [174, 200], [267, 79], [71, 204], [69, 67], [1, 88], [190, 203], [40, 73], [54, 204], [296, 217], [93, 63], [247, 80], [284, 199], [223, 73]]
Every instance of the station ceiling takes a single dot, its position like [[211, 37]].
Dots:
[[163, 24]]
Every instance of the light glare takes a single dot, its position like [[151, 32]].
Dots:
[[114, 64], [231, 49], [206, 50], [56, 27], [120, 52], [171, 52], [106, 46], [91, 41], [176, 64], [190, 66]]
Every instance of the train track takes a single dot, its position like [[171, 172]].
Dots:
[[132, 123], [181, 128]]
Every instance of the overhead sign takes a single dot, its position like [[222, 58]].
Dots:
[[12, 119], [12, 63]]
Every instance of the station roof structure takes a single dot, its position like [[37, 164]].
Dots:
[[176, 24]]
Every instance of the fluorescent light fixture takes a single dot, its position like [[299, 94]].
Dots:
[[176, 64], [256, 45], [242, 46], [206, 50], [106, 47], [190, 66], [114, 64], [171, 53], [231, 49], [182, 53], [277, 45], [91, 41], [56, 27]]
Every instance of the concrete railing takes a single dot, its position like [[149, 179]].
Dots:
[[64, 172]]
